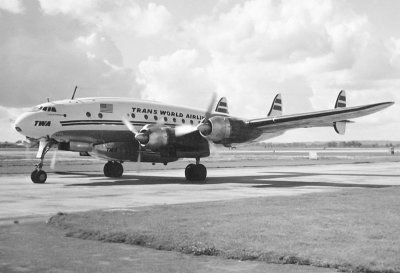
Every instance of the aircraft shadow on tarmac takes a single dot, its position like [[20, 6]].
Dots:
[[269, 180]]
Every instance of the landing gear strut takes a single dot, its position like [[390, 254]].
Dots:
[[38, 176], [196, 172], [113, 169]]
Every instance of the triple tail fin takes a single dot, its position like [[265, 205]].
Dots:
[[340, 126], [276, 107], [222, 106]]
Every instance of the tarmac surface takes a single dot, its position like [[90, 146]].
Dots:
[[28, 245], [23, 201]]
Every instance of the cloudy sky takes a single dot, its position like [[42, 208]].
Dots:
[[180, 52]]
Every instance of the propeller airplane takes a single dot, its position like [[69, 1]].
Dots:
[[120, 129]]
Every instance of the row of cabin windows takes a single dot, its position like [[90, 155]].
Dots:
[[100, 115]]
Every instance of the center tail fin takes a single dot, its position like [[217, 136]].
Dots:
[[222, 106], [276, 107]]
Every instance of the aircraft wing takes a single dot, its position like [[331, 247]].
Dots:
[[315, 119]]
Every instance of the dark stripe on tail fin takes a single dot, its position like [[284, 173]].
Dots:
[[341, 99], [222, 106], [276, 107], [340, 126]]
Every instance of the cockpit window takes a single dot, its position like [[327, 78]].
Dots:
[[46, 109]]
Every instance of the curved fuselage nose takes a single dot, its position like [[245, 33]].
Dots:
[[34, 125]]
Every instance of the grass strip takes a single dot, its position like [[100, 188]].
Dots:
[[356, 230]]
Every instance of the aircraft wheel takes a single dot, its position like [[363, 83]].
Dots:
[[189, 172], [107, 169], [201, 172], [113, 169], [117, 169], [33, 176], [195, 172], [38, 176]]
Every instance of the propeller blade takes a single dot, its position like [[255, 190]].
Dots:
[[139, 160], [184, 130], [53, 160], [207, 114], [129, 125]]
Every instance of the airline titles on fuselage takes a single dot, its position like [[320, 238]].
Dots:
[[166, 113]]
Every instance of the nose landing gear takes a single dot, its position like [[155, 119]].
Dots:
[[196, 172], [38, 176]]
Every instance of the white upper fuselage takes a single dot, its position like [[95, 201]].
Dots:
[[54, 119]]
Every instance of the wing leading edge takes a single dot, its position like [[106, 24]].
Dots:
[[315, 119]]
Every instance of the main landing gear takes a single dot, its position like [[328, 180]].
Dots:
[[196, 172], [113, 169], [38, 176]]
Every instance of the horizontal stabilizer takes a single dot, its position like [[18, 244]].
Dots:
[[222, 106], [276, 107]]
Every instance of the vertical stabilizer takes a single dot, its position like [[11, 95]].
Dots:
[[340, 126], [341, 99], [276, 107], [222, 106]]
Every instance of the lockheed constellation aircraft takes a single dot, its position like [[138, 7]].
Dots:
[[119, 129]]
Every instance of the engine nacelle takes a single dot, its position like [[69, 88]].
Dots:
[[216, 129], [158, 138], [75, 146], [224, 130]]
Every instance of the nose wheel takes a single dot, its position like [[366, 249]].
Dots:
[[196, 172], [113, 169], [38, 176]]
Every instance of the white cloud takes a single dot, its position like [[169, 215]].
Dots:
[[47, 57], [176, 78], [308, 50], [13, 6], [109, 15]]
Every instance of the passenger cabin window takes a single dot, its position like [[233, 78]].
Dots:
[[155, 118], [88, 114], [100, 115], [165, 119]]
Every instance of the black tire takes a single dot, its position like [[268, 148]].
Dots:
[[117, 170], [40, 177], [189, 172], [107, 169], [33, 176], [201, 173]]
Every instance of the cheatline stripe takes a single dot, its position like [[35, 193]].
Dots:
[[307, 116], [222, 104], [277, 107], [278, 101], [342, 98], [138, 123]]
